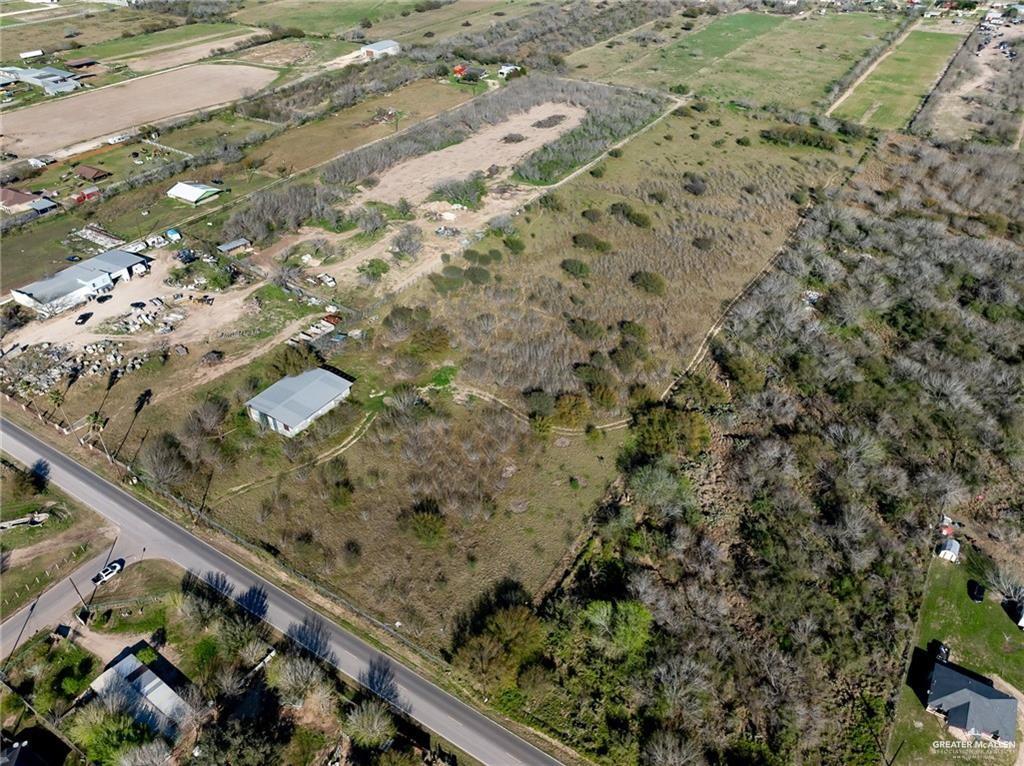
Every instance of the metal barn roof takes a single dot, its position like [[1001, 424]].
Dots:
[[297, 398]]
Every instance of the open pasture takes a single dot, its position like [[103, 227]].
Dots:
[[163, 40], [52, 126], [462, 16], [305, 146], [321, 18], [744, 56], [95, 25], [887, 98]]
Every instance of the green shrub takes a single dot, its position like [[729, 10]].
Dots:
[[743, 141], [514, 244], [592, 214], [575, 268], [796, 134], [587, 241], [374, 269], [478, 275], [649, 282], [147, 655], [626, 211], [586, 329], [615, 153], [597, 171]]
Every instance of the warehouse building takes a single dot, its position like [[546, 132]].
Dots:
[[81, 282], [292, 404]]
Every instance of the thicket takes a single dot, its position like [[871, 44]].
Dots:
[[754, 605]]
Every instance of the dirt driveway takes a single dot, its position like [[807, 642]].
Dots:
[[50, 126]]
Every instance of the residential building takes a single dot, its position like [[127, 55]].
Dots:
[[15, 200], [972, 704], [152, 701], [192, 193], [949, 549], [91, 173], [292, 404], [380, 49], [81, 282]]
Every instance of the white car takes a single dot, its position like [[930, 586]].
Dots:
[[107, 573]]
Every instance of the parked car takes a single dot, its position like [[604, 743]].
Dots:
[[104, 298], [942, 653], [83, 318], [73, 258], [108, 572]]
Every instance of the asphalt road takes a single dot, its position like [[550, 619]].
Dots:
[[145, 532]]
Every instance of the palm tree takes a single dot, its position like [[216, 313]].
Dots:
[[96, 422], [56, 397]]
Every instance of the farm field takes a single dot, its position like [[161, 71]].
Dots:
[[890, 94], [440, 23], [200, 136], [321, 18], [104, 23], [47, 128], [173, 38], [746, 56], [981, 638], [315, 142]]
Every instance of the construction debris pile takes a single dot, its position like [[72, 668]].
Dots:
[[38, 369]]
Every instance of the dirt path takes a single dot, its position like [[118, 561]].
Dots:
[[69, 538], [874, 65], [106, 646]]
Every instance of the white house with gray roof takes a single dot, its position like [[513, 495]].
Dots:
[[292, 404], [79, 283]]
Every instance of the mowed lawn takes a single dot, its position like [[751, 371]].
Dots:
[[981, 638], [322, 18], [888, 97]]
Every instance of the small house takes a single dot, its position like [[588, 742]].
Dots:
[[91, 173], [972, 704], [86, 194], [949, 550], [236, 244], [42, 206], [154, 702], [292, 404], [505, 70], [380, 49], [192, 193], [15, 200]]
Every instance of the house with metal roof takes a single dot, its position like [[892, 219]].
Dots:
[[193, 193], [380, 49], [52, 80], [151, 700], [235, 244], [81, 282], [292, 404], [972, 704]]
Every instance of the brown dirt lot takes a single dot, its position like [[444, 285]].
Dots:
[[178, 56], [51, 126]]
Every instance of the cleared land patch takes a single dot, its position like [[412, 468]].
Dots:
[[52, 126], [165, 39], [186, 55], [887, 98]]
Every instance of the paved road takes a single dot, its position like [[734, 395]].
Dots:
[[435, 709]]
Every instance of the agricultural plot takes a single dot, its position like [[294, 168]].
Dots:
[[100, 24], [203, 135], [321, 18], [748, 57], [888, 97], [981, 637], [315, 142], [52, 126]]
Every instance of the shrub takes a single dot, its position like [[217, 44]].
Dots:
[[743, 141], [649, 282], [625, 211], [797, 134], [615, 153], [575, 268], [478, 275], [468, 192], [597, 171], [586, 329], [703, 243], [588, 241], [695, 184], [591, 214], [550, 201], [374, 269], [514, 245]]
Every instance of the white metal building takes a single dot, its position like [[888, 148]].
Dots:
[[292, 404], [77, 284], [379, 49], [192, 193]]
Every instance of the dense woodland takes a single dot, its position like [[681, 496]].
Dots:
[[750, 592]]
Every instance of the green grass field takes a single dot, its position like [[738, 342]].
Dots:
[[981, 637], [129, 47], [888, 97], [745, 56], [448, 20], [323, 18], [202, 135]]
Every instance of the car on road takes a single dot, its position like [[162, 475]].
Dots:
[[108, 572], [83, 318]]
